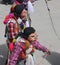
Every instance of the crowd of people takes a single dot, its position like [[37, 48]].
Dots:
[[21, 38]]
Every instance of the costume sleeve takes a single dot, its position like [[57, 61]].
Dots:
[[13, 58], [40, 47], [11, 29]]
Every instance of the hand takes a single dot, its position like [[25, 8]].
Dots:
[[48, 52]]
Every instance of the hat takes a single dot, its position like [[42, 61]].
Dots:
[[18, 10], [27, 31]]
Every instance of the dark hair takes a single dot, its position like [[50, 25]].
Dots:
[[20, 1], [27, 31], [18, 9]]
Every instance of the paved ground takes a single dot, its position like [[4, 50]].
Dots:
[[48, 31]]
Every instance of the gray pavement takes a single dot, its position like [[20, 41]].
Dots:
[[48, 32]]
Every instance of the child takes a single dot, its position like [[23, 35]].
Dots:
[[30, 35], [28, 40]]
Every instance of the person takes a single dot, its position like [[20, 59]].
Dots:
[[30, 35], [27, 40], [11, 22], [13, 27], [16, 2], [21, 19], [24, 2], [27, 4]]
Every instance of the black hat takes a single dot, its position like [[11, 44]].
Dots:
[[18, 10], [28, 31]]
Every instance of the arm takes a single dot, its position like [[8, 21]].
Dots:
[[38, 46], [13, 58]]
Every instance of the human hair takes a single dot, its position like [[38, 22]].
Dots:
[[27, 31], [18, 9]]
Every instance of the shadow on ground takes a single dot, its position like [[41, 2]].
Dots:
[[54, 58], [3, 54]]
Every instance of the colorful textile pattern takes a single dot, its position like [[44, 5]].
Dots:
[[15, 55], [7, 18], [39, 46], [13, 29]]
